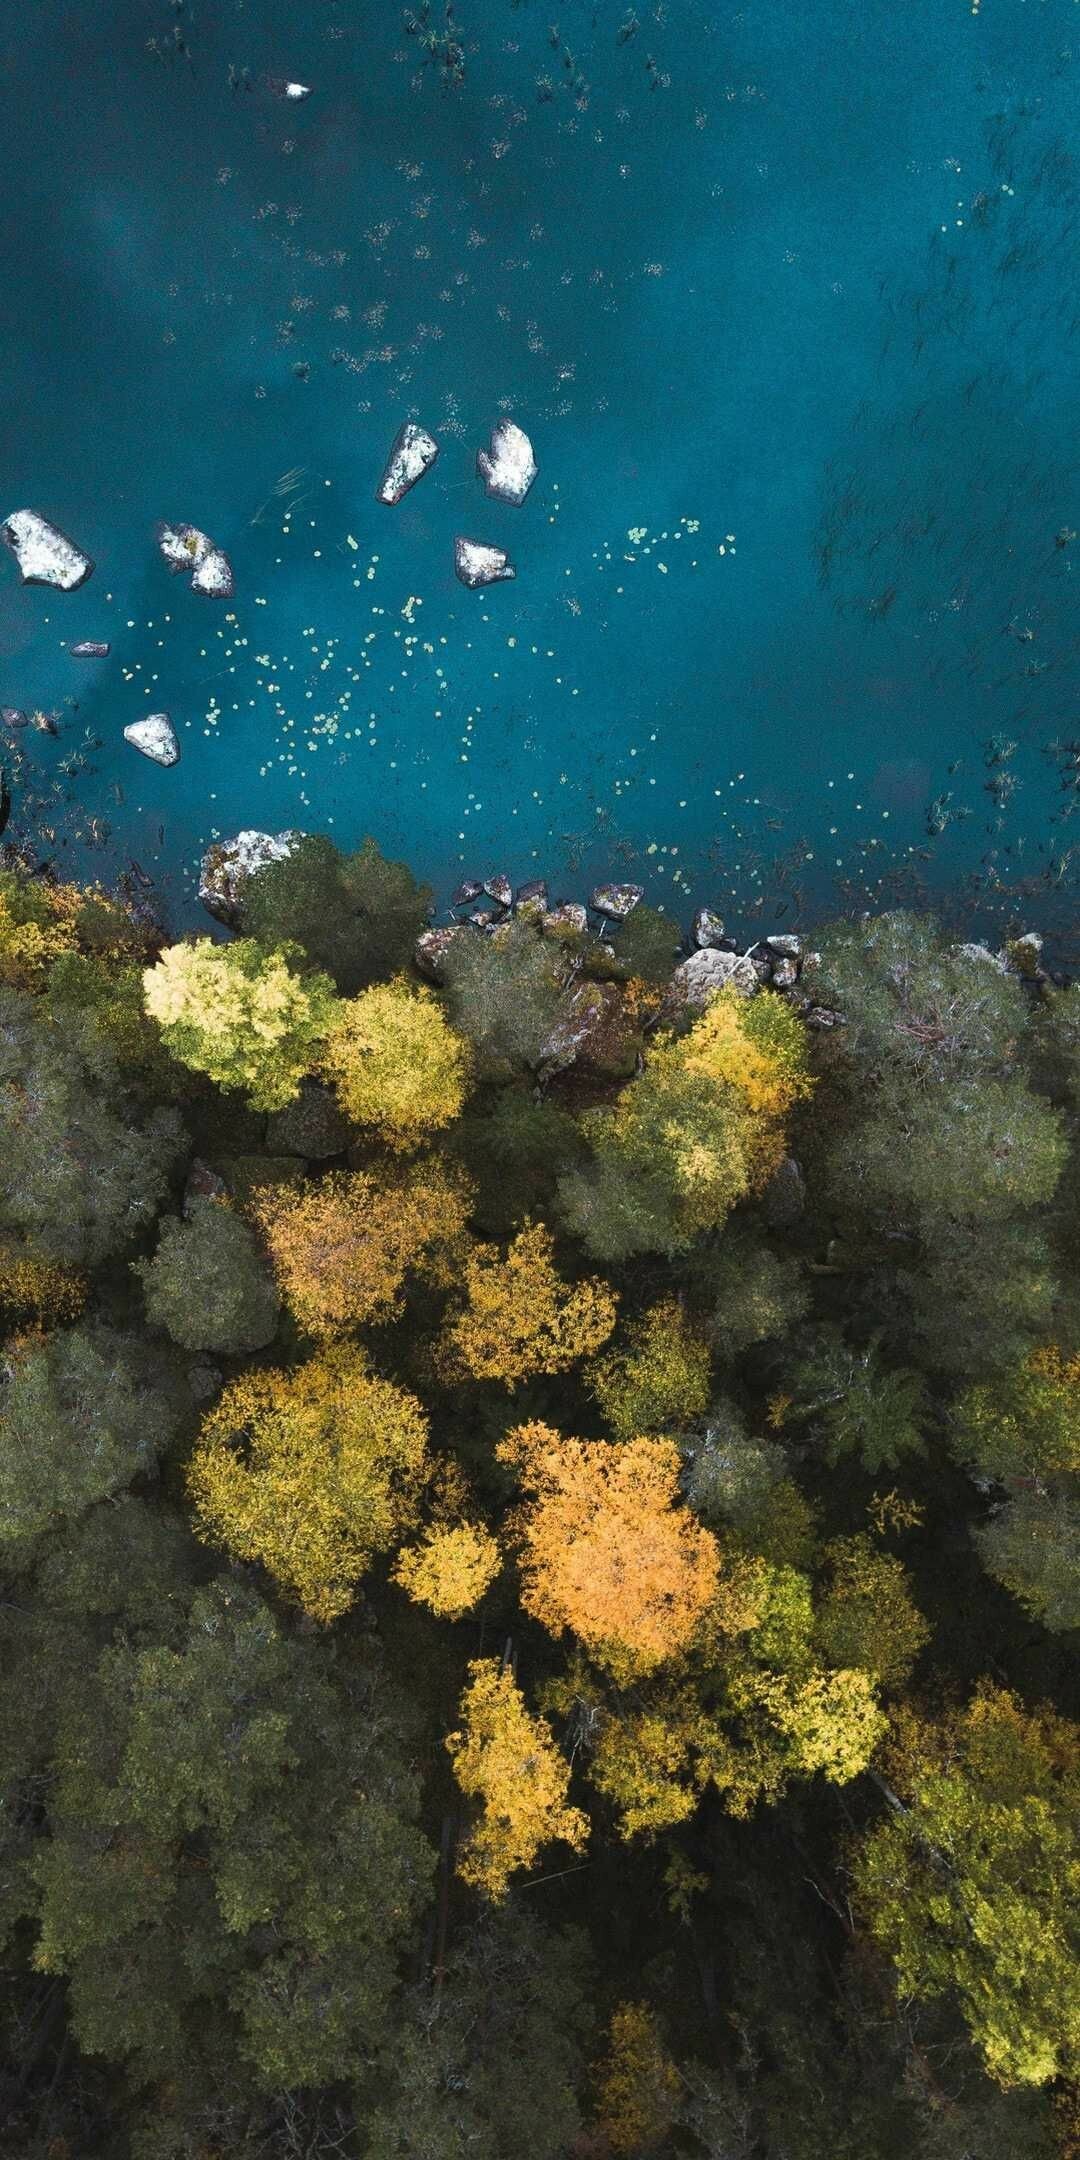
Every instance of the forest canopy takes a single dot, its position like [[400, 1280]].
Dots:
[[539, 1535]]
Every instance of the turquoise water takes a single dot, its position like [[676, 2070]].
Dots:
[[786, 299]]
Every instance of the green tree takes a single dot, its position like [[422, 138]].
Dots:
[[82, 1414], [208, 1285], [84, 1162], [970, 1885], [356, 916], [504, 992], [658, 1380]]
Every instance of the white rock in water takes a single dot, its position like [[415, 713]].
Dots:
[[155, 737], [227, 866], [412, 453], [479, 565], [214, 576], [186, 548], [509, 468], [44, 554]]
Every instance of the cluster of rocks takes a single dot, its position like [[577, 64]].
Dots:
[[507, 468], [193, 554]]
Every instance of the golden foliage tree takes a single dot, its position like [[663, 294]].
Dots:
[[312, 1472], [241, 1014], [396, 1062], [450, 1568], [659, 1379], [607, 1548], [507, 1761], [638, 2082], [342, 1246], [521, 1316], [33, 1288]]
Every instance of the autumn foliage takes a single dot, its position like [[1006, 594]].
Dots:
[[397, 1064], [507, 1762], [342, 1247], [607, 1548], [312, 1472], [521, 1317]]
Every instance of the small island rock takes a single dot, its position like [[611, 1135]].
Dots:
[[44, 554], [89, 649], [155, 737], [412, 453], [477, 564], [185, 548], [509, 468]]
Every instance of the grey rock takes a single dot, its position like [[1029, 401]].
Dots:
[[412, 453], [532, 897], [509, 468], [708, 928], [44, 554], [566, 916], [477, 564], [227, 866], [785, 974], [431, 949], [469, 889], [89, 649], [822, 1017], [784, 1197], [591, 1029], [697, 980], [787, 945], [618, 901], [155, 737], [12, 717], [499, 889], [983, 954]]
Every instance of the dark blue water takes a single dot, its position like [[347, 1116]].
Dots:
[[785, 296]]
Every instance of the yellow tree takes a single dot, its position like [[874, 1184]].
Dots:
[[312, 1472], [607, 1548], [396, 1062], [507, 1761], [450, 1568], [342, 1247], [521, 1317], [241, 1014], [638, 2083]]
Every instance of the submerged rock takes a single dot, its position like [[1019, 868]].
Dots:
[[618, 901], [464, 894], [477, 564], [155, 737], [12, 717], [412, 454], [44, 554], [227, 866], [187, 549], [698, 979], [89, 649], [509, 468]]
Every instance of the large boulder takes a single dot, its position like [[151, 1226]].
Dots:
[[227, 866], [44, 554], [708, 928], [509, 468], [412, 453], [618, 901], [192, 552], [477, 564], [155, 737], [432, 947], [696, 980]]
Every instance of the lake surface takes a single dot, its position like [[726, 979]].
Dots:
[[786, 298]]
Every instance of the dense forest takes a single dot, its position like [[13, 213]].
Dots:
[[540, 1542]]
